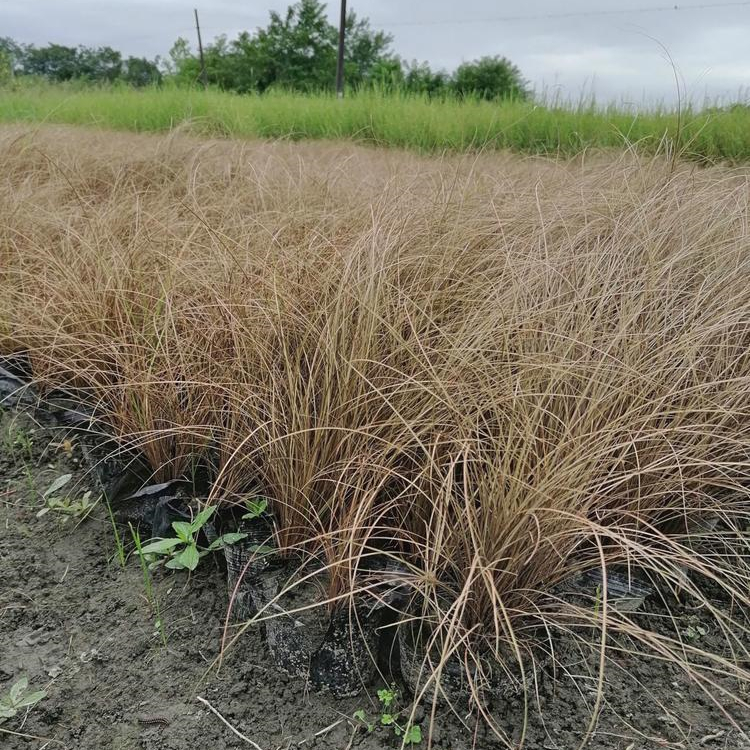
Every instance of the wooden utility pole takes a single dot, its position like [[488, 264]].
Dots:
[[204, 76], [340, 61]]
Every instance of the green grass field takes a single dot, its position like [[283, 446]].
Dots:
[[392, 120]]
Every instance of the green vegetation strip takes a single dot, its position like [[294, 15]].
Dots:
[[406, 121]]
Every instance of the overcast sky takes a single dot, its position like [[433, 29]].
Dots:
[[609, 46]]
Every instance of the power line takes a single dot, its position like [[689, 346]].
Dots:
[[566, 14]]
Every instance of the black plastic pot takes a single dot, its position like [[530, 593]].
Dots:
[[455, 682], [15, 392], [170, 507], [295, 627], [336, 651], [246, 562], [346, 660], [152, 507]]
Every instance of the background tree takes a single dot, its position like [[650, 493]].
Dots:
[[101, 65], [138, 71], [6, 68], [419, 78], [365, 52], [55, 62], [12, 55], [245, 65], [297, 50], [490, 78], [387, 74], [181, 64]]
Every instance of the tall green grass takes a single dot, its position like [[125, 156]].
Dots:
[[390, 119]]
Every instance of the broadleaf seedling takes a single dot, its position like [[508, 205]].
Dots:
[[256, 507], [410, 734], [19, 697], [67, 506], [181, 551], [361, 716]]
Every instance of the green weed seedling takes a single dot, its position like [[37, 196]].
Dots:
[[410, 734], [66, 505], [151, 598], [119, 545], [694, 630], [256, 507], [18, 443], [18, 697], [181, 551]]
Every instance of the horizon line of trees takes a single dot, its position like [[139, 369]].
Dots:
[[295, 51]]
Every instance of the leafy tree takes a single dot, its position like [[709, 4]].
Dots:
[[182, 64], [365, 52], [419, 78], [490, 78], [243, 66], [296, 49], [387, 74], [138, 71], [103, 65], [55, 62], [12, 55], [6, 68]]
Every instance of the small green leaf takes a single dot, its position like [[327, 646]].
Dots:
[[189, 557], [184, 530], [255, 508], [387, 720], [202, 517], [230, 538], [160, 546], [58, 484], [7, 712], [386, 697], [413, 735], [174, 564], [18, 689], [31, 699]]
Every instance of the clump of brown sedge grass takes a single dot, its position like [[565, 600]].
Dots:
[[497, 371]]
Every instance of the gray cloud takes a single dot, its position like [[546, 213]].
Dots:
[[617, 55]]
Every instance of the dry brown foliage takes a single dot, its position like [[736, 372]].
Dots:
[[499, 370]]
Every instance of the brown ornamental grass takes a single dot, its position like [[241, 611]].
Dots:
[[496, 371]]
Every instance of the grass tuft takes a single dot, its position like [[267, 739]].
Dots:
[[498, 372]]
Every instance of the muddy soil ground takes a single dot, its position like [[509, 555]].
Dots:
[[79, 626]]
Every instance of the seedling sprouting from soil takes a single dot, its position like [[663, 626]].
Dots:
[[181, 551], [119, 546], [694, 630], [67, 506], [410, 734], [151, 598], [16, 442], [18, 697]]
